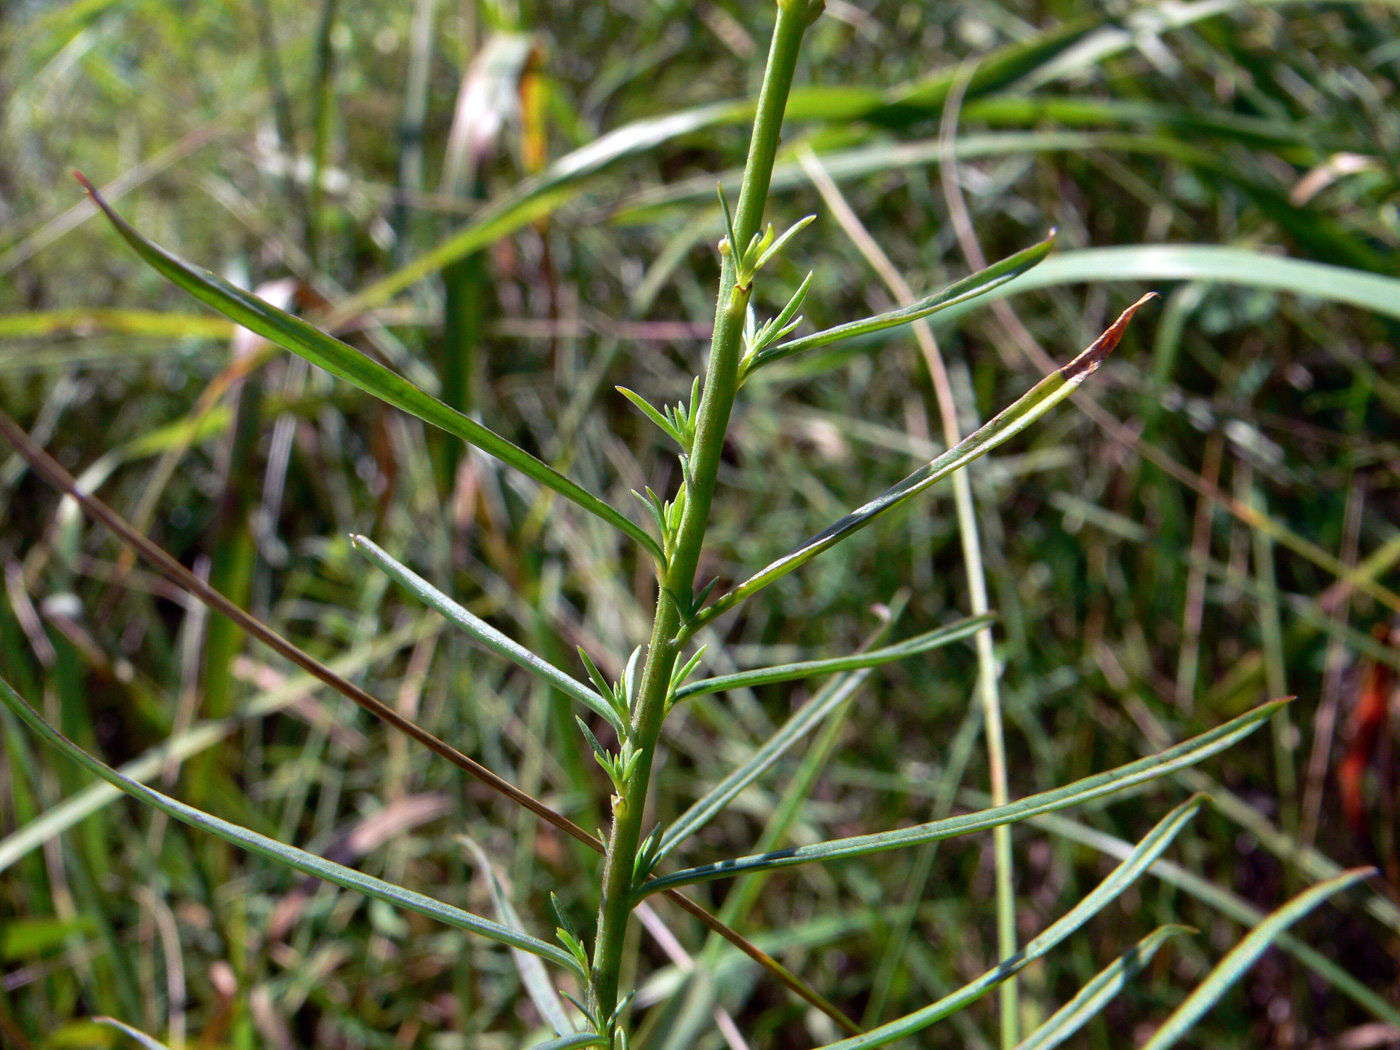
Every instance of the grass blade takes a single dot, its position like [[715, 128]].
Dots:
[[1147, 851], [146, 1041], [345, 362], [572, 1042], [1184, 754], [533, 976], [1049, 392], [970, 287], [297, 859], [922, 643], [483, 633], [1094, 996], [1243, 955]]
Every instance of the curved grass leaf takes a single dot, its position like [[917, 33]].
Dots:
[[297, 859], [483, 633], [1042, 397], [1243, 955], [1184, 754], [810, 668], [533, 976], [1204, 262], [1147, 851], [1094, 996], [793, 730], [970, 287], [146, 1041], [344, 361]]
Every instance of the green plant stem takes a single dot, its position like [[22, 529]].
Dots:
[[678, 577]]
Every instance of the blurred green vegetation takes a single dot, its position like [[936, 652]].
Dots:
[[1155, 571]]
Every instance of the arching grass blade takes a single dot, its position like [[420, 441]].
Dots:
[[345, 362], [483, 633], [297, 859]]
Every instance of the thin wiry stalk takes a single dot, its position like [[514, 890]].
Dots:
[[987, 691]]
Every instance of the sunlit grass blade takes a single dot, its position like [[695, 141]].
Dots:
[[796, 727], [1206, 262], [146, 1041], [1148, 850], [345, 362], [922, 643], [533, 976], [1243, 955], [1184, 754], [1094, 996], [970, 287], [297, 859], [483, 633], [1042, 397]]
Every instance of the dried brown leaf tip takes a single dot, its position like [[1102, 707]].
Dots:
[[1083, 365]]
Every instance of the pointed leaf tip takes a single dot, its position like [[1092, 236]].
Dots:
[[1086, 363]]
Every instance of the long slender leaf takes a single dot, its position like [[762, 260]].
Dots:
[[533, 976], [1049, 392], [969, 287], [1148, 850], [1205, 262], [810, 668], [572, 1042], [1094, 996], [345, 362], [794, 729], [483, 633], [297, 859], [1184, 754], [1243, 955]]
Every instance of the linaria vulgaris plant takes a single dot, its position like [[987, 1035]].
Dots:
[[620, 721]]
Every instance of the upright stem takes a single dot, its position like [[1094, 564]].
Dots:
[[678, 577]]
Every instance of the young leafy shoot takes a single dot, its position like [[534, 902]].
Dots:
[[676, 422], [666, 514], [297, 859], [1185, 754], [762, 246], [1153, 845], [757, 339], [345, 362], [969, 287], [1042, 397]]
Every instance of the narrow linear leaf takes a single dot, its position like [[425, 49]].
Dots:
[[1123, 876], [810, 668], [572, 1042], [133, 1033], [1094, 996], [1243, 955], [997, 274], [345, 362], [645, 407], [291, 856], [1184, 754], [482, 632], [533, 976], [794, 729], [1042, 397]]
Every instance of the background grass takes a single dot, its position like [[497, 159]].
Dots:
[[1133, 609]]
